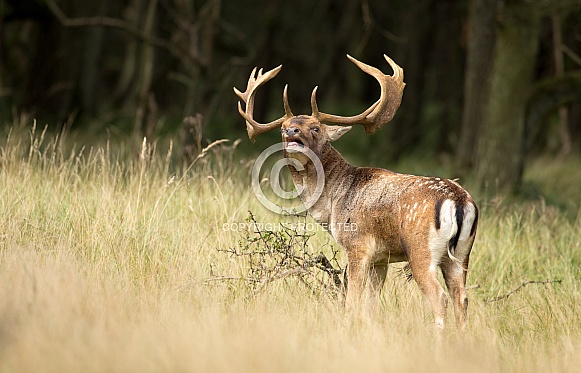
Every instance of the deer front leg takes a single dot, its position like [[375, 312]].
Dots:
[[377, 275], [357, 276], [365, 281]]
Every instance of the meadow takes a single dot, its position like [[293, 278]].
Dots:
[[114, 259]]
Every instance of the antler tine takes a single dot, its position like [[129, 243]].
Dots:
[[257, 79], [335, 119], [382, 111], [287, 110]]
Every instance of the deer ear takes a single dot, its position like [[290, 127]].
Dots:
[[335, 132]]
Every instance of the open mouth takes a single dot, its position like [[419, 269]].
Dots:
[[294, 144]]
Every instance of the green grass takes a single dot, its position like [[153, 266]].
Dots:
[[104, 259]]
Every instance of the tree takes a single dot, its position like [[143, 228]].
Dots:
[[499, 87], [499, 151], [481, 42]]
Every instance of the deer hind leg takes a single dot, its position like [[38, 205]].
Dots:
[[455, 277], [424, 271], [455, 271], [425, 275]]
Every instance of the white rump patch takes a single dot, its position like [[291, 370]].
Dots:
[[469, 216], [438, 239], [448, 225]]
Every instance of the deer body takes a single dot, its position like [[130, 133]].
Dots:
[[391, 217]]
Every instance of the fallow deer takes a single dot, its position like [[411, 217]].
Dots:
[[428, 221]]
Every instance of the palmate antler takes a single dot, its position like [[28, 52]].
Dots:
[[381, 112]]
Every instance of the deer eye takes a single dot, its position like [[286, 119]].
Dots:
[[316, 129]]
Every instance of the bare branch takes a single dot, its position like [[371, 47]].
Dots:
[[328, 267], [229, 278], [571, 54], [278, 254], [278, 276], [370, 25], [126, 27], [518, 288]]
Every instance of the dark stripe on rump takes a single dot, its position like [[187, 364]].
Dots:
[[459, 220], [437, 216], [475, 224]]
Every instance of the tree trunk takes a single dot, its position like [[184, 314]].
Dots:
[[147, 62], [91, 63], [442, 107], [481, 41], [548, 96], [414, 60], [564, 134], [128, 73], [500, 153]]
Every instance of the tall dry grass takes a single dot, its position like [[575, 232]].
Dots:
[[104, 262]]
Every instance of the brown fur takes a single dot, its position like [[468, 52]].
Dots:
[[427, 221], [394, 215]]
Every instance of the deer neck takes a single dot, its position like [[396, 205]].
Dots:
[[335, 170]]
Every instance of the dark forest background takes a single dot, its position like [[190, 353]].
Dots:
[[490, 83]]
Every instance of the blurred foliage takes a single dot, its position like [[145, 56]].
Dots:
[[135, 68]]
